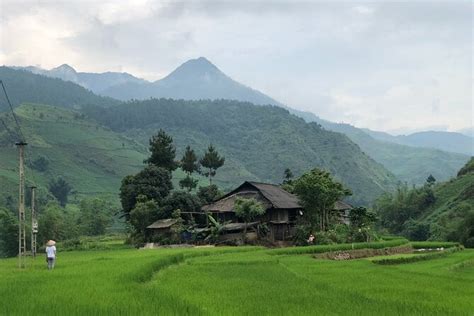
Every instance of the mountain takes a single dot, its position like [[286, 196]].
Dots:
[[468, 131], [447, 141], [443, 211], [409, 164], [91, 158], [23, 86], [194, 80], [259, 142], [96, 82]]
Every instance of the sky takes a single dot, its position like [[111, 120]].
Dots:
[[394, 66]]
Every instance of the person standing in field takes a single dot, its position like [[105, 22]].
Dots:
[[51, 254]]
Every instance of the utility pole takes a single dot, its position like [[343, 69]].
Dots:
[[34, 222], [21, 208]]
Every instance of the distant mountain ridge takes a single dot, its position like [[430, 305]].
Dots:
[[96, 82], [200, 79], [447, 141]]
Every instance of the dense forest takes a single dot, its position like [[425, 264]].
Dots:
[[25, 87], [259, 142], [435, 211]]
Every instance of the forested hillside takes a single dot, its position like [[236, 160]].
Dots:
[[200, 79], [61, 143], [409, 164], [259, 143], [23, 86], [443, 211]]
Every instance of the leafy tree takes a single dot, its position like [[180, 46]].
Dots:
[[8, 234], [188, 182], [248, 210], [152, 182], [288, 175], [95, 217], [60, 189], [360, 217], [415, 230], [183, 201], [211, 161], [51, 224], [162, 151], [466, 230], [40, 164], [143, 214], [209, 194], [361, 224], [318, 192], [430, 181]]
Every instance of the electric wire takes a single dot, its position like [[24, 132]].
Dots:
[[13, 112]]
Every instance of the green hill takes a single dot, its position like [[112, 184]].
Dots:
[[409, 164], [259, 142], [23, 87], [89, 157], [444, 211]]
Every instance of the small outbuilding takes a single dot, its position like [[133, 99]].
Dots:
[[162, 229]]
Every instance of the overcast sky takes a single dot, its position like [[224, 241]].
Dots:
[[391, 66]]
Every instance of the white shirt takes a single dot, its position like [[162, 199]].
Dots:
[[51, 251]]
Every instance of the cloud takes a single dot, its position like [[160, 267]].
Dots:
[[382, 65]]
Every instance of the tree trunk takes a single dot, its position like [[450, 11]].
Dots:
[[244, 236], [210, 177]]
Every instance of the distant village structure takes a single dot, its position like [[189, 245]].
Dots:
[[281, 212], [282, 208]]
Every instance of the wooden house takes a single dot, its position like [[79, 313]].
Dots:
[[282, 208]]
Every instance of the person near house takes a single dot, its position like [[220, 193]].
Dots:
[[50, 254]]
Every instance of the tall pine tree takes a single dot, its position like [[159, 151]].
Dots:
[[189, 164], [211, 161], [162, 151]]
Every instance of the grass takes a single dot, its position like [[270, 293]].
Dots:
[[92, 158], [337, 247], [233, 281], [434, 244]]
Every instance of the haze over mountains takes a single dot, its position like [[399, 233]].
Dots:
[[200, 79], [259, 142]]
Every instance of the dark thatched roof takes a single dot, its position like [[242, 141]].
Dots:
[[270, 195], [163, 223], [277, 196]]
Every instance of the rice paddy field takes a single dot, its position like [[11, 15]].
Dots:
[[234, 281]]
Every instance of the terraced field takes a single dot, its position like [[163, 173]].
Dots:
[[234, 281]]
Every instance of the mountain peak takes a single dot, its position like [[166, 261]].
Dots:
[[64, 68], [198, 68]]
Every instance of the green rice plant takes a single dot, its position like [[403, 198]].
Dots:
[[337, 247], [231, 281], [414, 258]]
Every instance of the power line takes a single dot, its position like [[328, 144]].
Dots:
[[8, 130], [13, 112]]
